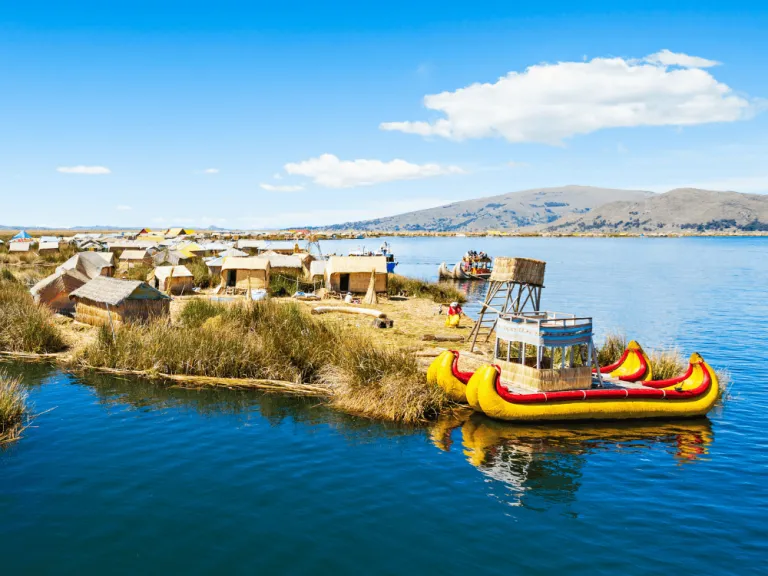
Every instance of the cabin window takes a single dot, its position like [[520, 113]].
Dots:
[[343, 282]]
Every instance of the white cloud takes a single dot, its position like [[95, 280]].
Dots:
[[329, 171], [287, 188], [211, 171], [277, 176], [124, 208], [83, 170], [667, 58], [549, 102]]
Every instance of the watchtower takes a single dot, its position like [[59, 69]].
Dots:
[[515, 284]]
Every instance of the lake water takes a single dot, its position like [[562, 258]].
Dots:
[[124, 476]]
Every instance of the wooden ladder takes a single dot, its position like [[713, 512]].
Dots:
[[496, 302]]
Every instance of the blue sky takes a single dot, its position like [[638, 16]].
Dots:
[[259, 115]]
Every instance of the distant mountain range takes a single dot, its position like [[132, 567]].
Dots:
[[571, 209], [680, 210]]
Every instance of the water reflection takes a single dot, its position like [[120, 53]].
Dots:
[[546, 461]]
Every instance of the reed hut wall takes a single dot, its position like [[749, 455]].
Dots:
[[259, 279], [178, 284], [130, 311], [358, 282]]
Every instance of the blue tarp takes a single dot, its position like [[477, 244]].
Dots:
[[22, 236]]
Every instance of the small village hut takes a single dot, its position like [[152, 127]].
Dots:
[[133, 258], [111, 302], [353, 273], [172, 279], [91, 264], [54, 290], [243, 273]]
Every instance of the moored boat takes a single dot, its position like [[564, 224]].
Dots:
[[562, 381], [474, 266], [691, 394]]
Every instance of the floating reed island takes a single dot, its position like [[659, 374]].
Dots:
[[225, 336]]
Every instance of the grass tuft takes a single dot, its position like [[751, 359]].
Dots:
[[612, 349], [440, 292], [25, 326], [13, 406], [279, 341]]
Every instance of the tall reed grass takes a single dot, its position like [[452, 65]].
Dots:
[[13, 406], [278, 341], [25, 326], [440, 292]]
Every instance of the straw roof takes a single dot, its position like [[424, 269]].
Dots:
[[258, 244], [64, 281], [162, 273], [89, 264], [252, 263], [233, 252], [173, 232], [355, 264], [114, 292], [282, 260], [133, 255]]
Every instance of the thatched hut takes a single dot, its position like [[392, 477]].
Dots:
[[288, 266], [353, 273], [20, 247], [54, 290], [316, 271], [172, 279], [133, 258], [251, 246], [170, 257], [108, 301], [48, 247], [244, 273], [91, 264], [176, 232]]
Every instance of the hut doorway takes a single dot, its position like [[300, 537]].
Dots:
[[231, 278], [343, 282]]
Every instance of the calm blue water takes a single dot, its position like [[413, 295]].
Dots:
[[124, 476]]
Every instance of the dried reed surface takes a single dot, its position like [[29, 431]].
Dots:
[[274, 341], [13, 407], [25, 326], [440, 292]]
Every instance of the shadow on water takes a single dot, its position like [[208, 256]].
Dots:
[[546, 461], [142, 394]]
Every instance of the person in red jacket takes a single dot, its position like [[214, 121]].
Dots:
[[454, 315]]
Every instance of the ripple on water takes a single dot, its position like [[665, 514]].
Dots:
[[124, 475]]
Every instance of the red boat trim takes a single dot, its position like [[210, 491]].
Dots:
[[462, 377], [670, 381], [612, 367], [604, 393], [640, 371]]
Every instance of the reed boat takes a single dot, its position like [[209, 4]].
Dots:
[[474, 266], [444, 372], [574, 388], [632, 366], [691, 394]]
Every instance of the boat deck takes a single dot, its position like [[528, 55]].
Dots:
[[608, 383]]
